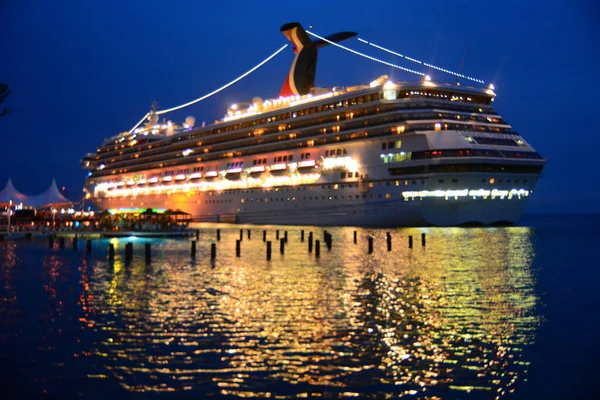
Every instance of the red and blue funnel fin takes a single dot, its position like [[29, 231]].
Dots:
[[301, 78]]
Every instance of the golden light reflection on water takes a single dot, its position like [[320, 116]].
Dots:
[[9, 304], [447, 320]]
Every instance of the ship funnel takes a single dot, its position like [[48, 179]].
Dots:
[[301, 78]]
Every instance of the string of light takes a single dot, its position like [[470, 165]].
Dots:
[[266, 60], [412, 71], [421, 62]]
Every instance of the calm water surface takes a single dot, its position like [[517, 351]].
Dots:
[[480, 313]]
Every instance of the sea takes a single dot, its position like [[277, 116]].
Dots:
[[476, 313]]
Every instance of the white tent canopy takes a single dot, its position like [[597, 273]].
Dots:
[[50, 198], [9, 193]]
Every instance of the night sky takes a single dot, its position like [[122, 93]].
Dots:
[[81, 71]]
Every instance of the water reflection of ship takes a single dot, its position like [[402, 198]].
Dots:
[[446, 321]]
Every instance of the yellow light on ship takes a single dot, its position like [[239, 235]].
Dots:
[[340, 162], [389, 85], [427, 81]]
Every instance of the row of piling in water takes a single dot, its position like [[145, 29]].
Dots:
[[313, 244]]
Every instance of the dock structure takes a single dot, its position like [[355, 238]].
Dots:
[[57, 241]]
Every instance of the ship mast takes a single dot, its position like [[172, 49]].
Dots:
[[152, 116]]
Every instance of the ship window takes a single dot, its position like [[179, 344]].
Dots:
[[302, 156], [343, 175], [339, 152], [284, 158], [326, 153], [279, 159], [290, 157]]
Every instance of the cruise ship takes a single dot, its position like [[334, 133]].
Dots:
[[384, 153]]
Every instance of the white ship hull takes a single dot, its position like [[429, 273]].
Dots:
[[350, 204]]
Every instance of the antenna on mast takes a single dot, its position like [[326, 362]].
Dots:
[[152, 115]]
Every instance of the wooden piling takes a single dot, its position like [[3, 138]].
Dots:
[[88, 246], [111, 251], [302, 235], [241, 235], [74, 244], [264, 236], [317, 248], [285, 236], [249, 234], [128, 251], [310, 242], [268, 250], [197, 234], [192, 248], [148, 251], [370, 238], [282, 245], [218, 234], [277, 234], [423, 239], [213, 251], [389, 241], [238, 248], [355, 241], [410, 243]]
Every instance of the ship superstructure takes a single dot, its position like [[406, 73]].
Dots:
[[385, 154]]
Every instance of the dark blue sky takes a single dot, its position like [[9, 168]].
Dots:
[[81, 71]]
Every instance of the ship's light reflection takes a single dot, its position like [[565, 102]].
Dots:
[[448, 320]]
